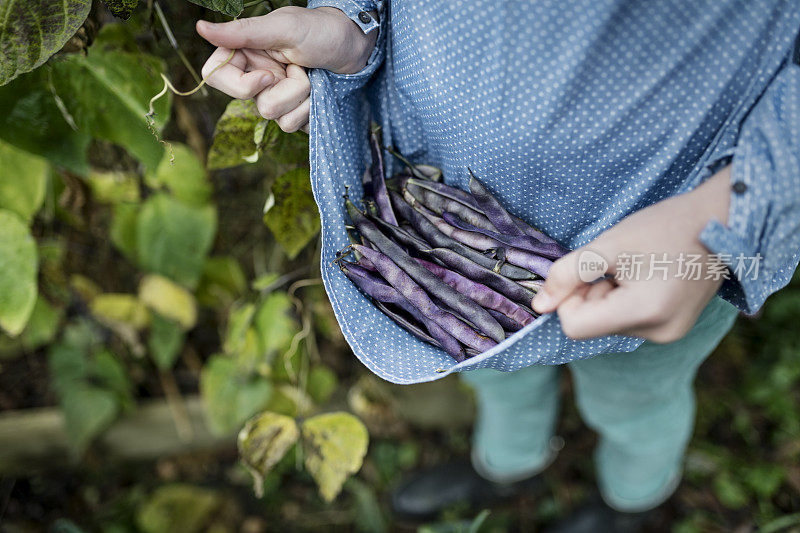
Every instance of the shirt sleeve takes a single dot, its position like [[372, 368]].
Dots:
[[360, 12], [761, 242]]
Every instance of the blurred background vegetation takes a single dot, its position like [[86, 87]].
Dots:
[[163, 293]]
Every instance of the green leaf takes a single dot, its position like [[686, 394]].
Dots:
[[730, 493], [106, 370], [235, 141], [19, 266], [165, 341], [184, 176], [22, 190], [123, 229], [230, 396], [87, 412], [334, 446], [178, 507], [222, 282], [31, 120], [274, 324], [42, 325], [322, 384], [169, 300], [173, 238], [114, 187], [108, 93], [33, 30], [119, 308], [263, 441], [121, 8], [232, 8], [239, 321], [294, 220]]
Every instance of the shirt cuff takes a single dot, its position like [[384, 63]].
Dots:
[[357, 10]]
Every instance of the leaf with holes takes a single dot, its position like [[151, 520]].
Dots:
[[121, 8], [240, 136], [33, 30], [19, 266], [263, 441], [334, 445], [294, 220]]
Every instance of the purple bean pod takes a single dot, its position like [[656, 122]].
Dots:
[[419, 220], [524, 242], [532, 284], [456, 301], [415, 294], [510, 325], [377, 289], [487, 297], [472, 270], [379, 181], [492, 208], [439, 204]]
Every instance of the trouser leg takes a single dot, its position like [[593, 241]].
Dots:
[[515, 420], [642, 405]]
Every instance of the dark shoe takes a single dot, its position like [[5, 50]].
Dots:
[[597, 517], [427, 493]]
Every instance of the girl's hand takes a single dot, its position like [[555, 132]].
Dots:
[[272, 53], [661, 309]]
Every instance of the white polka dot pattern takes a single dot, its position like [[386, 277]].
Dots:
[[576, 114]]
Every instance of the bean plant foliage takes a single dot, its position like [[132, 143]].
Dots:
[[87, 155]]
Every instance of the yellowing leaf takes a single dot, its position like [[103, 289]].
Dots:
[[235, 140], [22, 181], [86, 288], [294, 220], [334, 445], [117, 308], [18, 269], [263, 441], [121, 8], [169, 300]]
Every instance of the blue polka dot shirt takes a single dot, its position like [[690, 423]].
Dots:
[[576, 114]]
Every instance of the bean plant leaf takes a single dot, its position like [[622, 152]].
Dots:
[[232, 8], [263, 441], [223, 281], [33, 30], [179, 507], [240, 135], [118, 308], [123, 229], [231, 396], [334, 445], [107, 93], [87, 411], [274, 323], [114, 187], [173, 238], [121, 8], [165, 341], [42, 325], [183, 174], [22, 182], [294, 220], [30, 119], [19, 266], [168, 299]]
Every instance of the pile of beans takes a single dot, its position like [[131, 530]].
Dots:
[[452, 267]]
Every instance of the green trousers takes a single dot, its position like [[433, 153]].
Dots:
[[640, 403]]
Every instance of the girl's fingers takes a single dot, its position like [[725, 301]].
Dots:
[[231, 78], [286, 95], [599, 290], [295, 119], [584, 318]]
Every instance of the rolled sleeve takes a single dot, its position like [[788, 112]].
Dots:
[[358, 11], [761, 241]]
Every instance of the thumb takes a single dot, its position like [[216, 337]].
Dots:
[[274, 30], [562, 280]]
